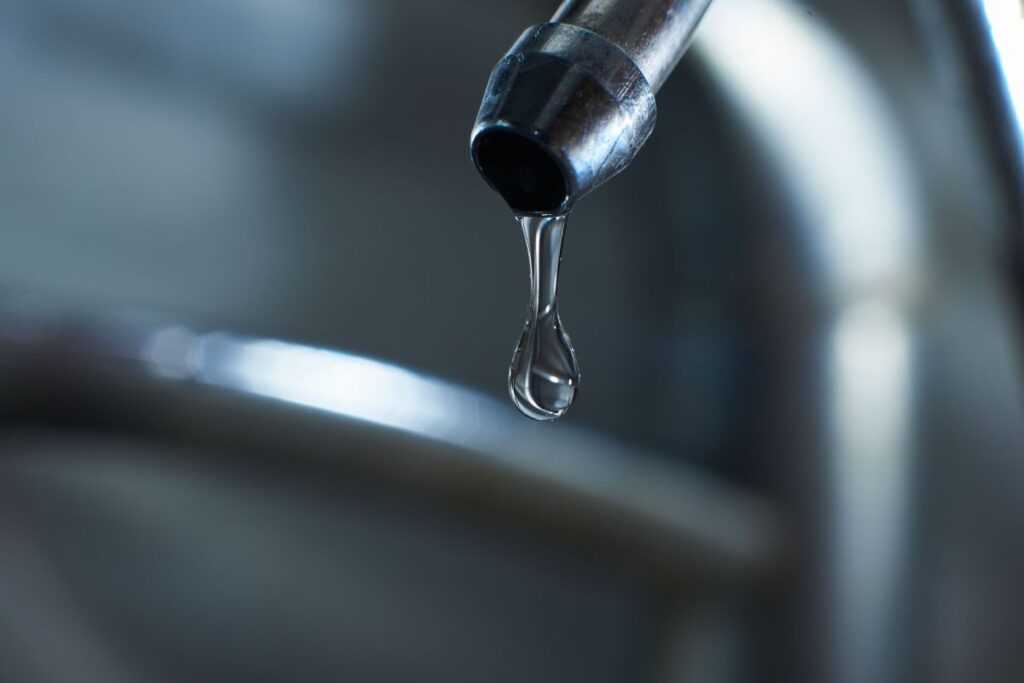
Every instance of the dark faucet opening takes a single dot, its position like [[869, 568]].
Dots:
[[522, 171]]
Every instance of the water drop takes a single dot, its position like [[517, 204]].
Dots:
[[543, 377]]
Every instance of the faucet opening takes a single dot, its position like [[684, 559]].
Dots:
[[522, 172]]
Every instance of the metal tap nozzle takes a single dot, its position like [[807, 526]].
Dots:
[[572, 102]]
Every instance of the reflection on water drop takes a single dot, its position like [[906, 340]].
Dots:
[[543, 377]]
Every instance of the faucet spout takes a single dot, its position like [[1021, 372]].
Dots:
[[572, 102]]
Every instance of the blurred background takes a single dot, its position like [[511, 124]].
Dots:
[[257, 307]]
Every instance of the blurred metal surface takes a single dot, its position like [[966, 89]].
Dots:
[[194, 418], [434, 438]]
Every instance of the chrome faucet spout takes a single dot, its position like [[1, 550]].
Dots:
[[572, 102]]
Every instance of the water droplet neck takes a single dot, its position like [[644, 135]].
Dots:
[[543, 378]]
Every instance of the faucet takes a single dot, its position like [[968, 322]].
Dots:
[[572, 102]]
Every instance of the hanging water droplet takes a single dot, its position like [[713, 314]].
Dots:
[[543, 378]]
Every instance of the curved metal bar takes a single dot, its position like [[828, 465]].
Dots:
[[427, 436]]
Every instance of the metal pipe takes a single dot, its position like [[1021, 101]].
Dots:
[[654, 33], [572, 102]]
